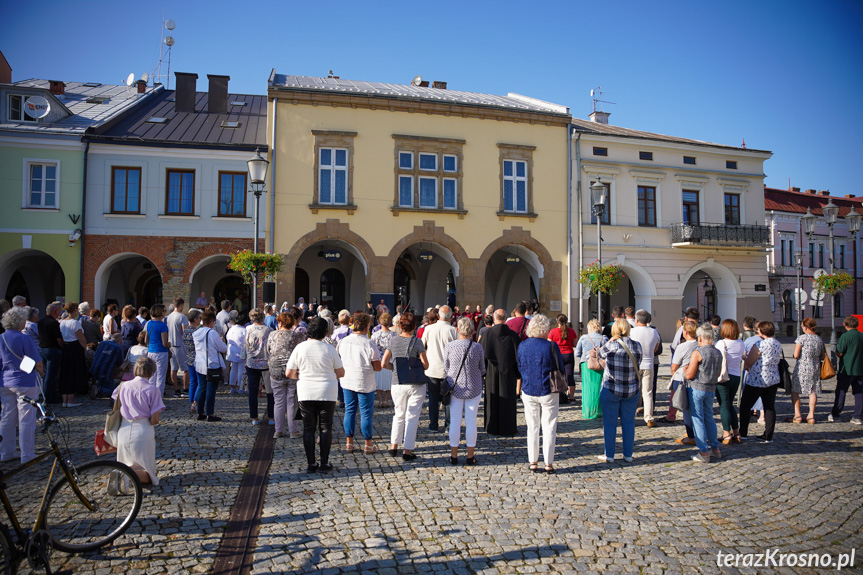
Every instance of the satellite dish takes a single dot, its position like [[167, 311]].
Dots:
[[145, 78], [169, 41], [170, 24], [37, 107], [130, 79], [417, 80], [591, 93]]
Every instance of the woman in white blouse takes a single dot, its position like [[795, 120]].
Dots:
[[73, 365], [361, 359]]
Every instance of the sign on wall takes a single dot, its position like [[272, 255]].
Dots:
[[332, 255], [425, 256]]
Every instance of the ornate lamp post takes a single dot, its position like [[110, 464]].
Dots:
[[830, 212], [598, 193], [798, 263], [257, 178]]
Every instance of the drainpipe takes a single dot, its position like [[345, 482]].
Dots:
[[273, 176], [579, 223], [83, 223], [569, 221]]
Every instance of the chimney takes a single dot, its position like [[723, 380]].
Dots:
[[142, 86], [185, 93], [217, 102], [824, 192], [599, 117], [810, 191], [56, 87], [795, 189], [424, 84], [439, 85], [849, 195]]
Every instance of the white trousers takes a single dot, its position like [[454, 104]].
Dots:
[[235, 379], [470, 408], [541, 410], [16, 411], [161, 360], [647, 393], [407, 404]]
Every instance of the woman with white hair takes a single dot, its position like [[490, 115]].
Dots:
[[464, 363], [537, 359], [702, 376], [140, 405], [31, 330], [19, 356]]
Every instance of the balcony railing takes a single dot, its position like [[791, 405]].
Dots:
[[754, 236]]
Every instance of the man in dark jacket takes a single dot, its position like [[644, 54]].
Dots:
[[499, 344]]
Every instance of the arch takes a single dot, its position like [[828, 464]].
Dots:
[[641, 281], [727, 284], [39, 270], [548, 270], [439, 243], [100, 278], [204, 262]]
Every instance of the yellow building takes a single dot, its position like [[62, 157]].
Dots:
[[450, 195]]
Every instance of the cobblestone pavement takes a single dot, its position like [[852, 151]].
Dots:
[[660, 514]]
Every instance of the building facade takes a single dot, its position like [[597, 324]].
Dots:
[[438, 195], [168, 197], [684, 219], [43, 162], [784, 210]]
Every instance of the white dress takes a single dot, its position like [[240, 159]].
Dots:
[[384, 377]]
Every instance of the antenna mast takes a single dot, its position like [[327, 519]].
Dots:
[[166, 41], [596, 95]]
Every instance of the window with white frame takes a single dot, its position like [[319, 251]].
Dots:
[[428, 173], [41, 185], [15, 109], [516, 180], [334, 152]]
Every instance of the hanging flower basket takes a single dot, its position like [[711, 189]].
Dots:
[[249, 263], [833, 283], [598, 277]]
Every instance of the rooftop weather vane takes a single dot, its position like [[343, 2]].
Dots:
[[596, 95]]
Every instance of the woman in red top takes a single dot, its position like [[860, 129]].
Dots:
[[565, 337]]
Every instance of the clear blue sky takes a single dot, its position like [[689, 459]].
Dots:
[[784, 75]]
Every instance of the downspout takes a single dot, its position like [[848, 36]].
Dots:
[[82, 223], [579, 223], [569, 221], [273, 176]]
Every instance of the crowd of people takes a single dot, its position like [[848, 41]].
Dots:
[[304, 361]]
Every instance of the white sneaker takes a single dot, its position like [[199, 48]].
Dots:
[[604, 459], [856, 421], [114, 483], [830, 418], [628, 459], [296, 434], [700, 459]]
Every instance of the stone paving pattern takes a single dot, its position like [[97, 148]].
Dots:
[[660, 514]]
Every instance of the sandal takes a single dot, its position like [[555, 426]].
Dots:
[[727, 439], [549, 469], [370, 449], [810, 421], [472, 461], [534, 467], [453, 460], [349, 447], [794, 419]]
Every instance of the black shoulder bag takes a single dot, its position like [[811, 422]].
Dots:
[[446, 390], [213, 375]]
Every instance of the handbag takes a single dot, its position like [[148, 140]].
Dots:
[[680, 399], [827, 370], [410, 369], [112, 424], [446, 388], [784, 375], [594, 362], [557, 379], [213, 375], [723, 371], [101, 446]]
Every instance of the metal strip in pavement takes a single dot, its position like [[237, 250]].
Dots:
[[234, 556]]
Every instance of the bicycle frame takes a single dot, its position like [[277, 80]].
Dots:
[[40, 516]]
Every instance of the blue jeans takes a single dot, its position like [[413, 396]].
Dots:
[[614, 406], [205, 395], [701, 409], [366, 402], [193, 383], [687, 414], [51, 360]]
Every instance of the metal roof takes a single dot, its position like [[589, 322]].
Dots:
[[512, 102], [198, 128], [589, 127], [84, 114]]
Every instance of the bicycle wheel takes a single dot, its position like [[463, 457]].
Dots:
[[73, 527], [8, 559]]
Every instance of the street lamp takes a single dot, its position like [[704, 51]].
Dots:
[[598, 193], [257, 177], [798, 263], [830, 212], [852, 220]]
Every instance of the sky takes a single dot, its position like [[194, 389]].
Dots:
[[784, 76]]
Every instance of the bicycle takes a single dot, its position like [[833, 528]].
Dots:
[[88, 506]]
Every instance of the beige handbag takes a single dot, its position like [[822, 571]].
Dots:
[[113, 421]]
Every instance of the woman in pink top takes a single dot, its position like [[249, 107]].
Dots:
[[140, 405]]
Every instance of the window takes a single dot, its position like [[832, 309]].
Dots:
[[125, 190], [689, 160], [841, 259], [821, 255], [232, 194], [816, 311], [15, 111], [606, 213], [600, 151], [333, 182], [690, 207], [790, 253], [180, 193], [334, 153], [729, 165], [516, 180], [732, 209], [837, 305], [647, 206], [41, 185], [782, 252], [428, 173], [645, 155], [514, 186], [811, 255]]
